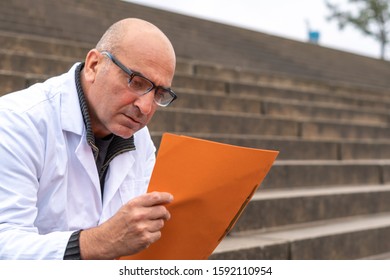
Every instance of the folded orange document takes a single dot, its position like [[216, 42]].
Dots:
[[211, 184]]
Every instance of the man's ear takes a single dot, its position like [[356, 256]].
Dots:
[[92, 63]]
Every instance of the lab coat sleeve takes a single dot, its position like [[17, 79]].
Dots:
[[22, 154]]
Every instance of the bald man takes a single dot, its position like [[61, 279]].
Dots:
[[76, 154]]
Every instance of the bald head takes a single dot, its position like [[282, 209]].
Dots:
[[140, 47], [111, 39], [132, 33]]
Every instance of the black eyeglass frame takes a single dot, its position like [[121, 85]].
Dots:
[[133, 74]]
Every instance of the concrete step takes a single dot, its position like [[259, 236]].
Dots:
[[245, 76], [325, 111], [183, 82], [300, 149], [289, 147], [382, 256], [342, 130], [295, 206], [291, 108], [347, 238], [288, 174], [34, 63], [11, 81], [53, 19], [34, 44], [192, 120], [345, 98], [184, 120]]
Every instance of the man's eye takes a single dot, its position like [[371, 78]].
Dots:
[[159, 94], [138, 83]]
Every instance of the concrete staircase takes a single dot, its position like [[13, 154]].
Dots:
[[328, 194]]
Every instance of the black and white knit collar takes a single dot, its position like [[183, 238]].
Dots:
[[118, 144]]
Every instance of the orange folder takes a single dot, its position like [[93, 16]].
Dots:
[[211, 184]]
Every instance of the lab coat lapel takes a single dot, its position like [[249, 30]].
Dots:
[[72, 121], [117, 172], [85, 156]]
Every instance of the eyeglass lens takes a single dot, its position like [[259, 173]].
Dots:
[[141, 85]]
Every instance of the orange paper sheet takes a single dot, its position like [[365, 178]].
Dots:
[[211, 184]]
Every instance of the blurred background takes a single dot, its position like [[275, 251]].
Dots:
[[289, 19], [249, 74]]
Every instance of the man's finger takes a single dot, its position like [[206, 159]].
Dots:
[[155, 198], [159, 212]]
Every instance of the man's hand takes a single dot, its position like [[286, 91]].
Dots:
[[133, 228]]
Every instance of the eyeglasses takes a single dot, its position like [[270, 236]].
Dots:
[[141, 85]]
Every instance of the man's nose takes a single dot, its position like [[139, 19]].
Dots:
[[145, 102]]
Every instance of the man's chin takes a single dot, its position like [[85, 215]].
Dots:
[[126, 133]]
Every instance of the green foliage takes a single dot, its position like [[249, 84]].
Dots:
[[372, 17]]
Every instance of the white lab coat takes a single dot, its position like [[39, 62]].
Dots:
[[49, 185]]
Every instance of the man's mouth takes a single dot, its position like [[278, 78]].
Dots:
[[134, 119]]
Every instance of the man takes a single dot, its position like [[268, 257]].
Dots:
[[76, 156]]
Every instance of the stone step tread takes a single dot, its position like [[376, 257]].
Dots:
[[20, 74], [44, 39], [243, 88], [258, 101], [384, 256], [213, 121], [187, 82], [206, 69], [296, 162], [52, 57], [288, 234], [315, 104], [312, 174], [268, 194], [203, 69], [274, 137], [303, 205], [218, 113], [300, 149]]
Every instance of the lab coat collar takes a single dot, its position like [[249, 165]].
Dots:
[[71, 116], [72, 121]]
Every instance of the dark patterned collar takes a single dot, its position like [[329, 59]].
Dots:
[[118, 144]]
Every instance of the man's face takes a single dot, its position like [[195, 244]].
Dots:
[[113, 107]]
